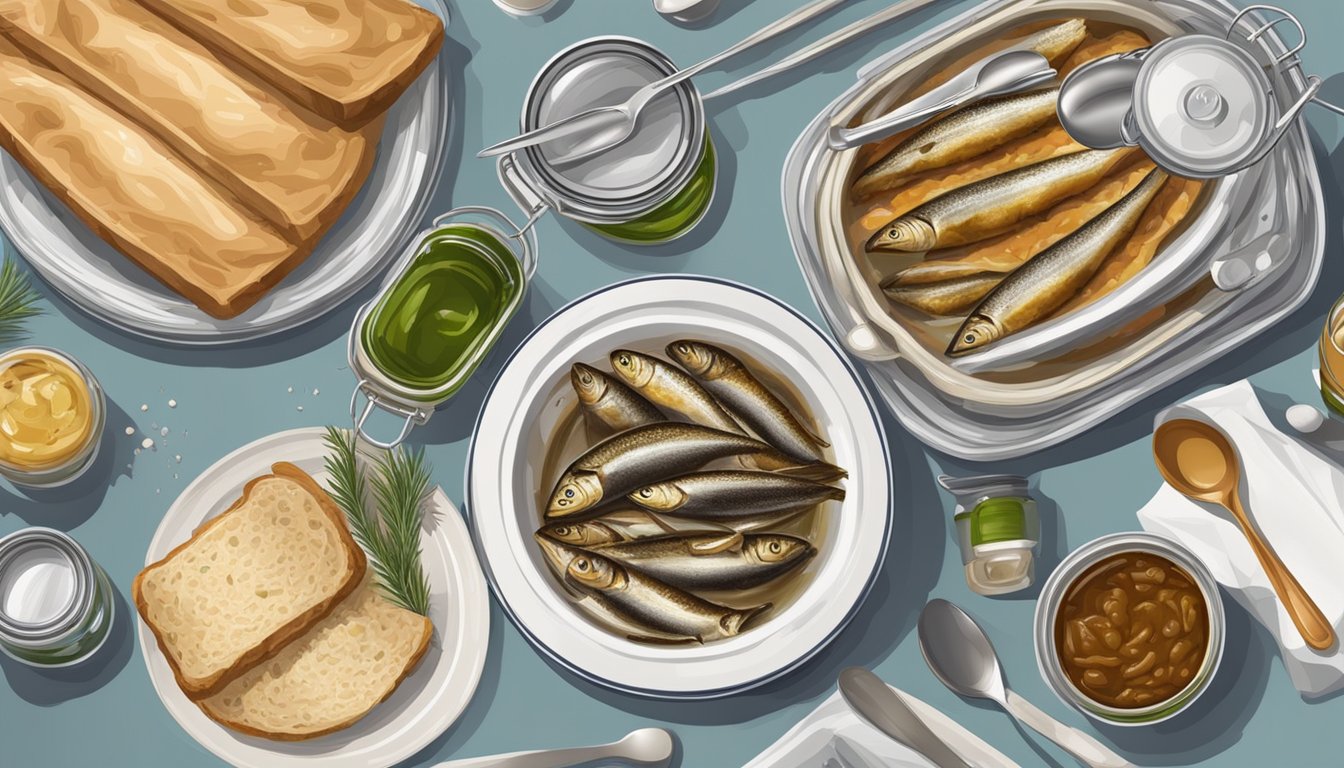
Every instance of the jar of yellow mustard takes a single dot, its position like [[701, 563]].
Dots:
[[51, 417]]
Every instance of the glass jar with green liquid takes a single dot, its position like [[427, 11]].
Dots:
[[441, 308]]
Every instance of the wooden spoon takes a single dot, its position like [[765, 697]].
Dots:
[[1199, 461]]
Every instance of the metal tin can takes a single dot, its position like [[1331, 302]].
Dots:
[[1051, 602], [653, 187], [491, 236], [56, 604], [71, 467], [997, 530]]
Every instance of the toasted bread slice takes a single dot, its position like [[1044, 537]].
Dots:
[[293, 167], [250, 581], [330, 677], [347, 60], [135, 193]]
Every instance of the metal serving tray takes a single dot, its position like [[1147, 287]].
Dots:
[[1025, 393]]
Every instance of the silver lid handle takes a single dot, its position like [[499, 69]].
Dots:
[[411, 417]]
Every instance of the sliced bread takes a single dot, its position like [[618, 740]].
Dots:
[[136, 193], [330, 677], [250, 581], [291, 166], [347, 60]]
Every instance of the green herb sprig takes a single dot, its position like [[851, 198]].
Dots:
[[18, 300], [391, 534]]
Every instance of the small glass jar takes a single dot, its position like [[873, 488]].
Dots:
[[440, 310], [997, 530], [651, 188], [56, 603], [52, 413], [1331, 351]]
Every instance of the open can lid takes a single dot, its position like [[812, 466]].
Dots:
[[634, 177]]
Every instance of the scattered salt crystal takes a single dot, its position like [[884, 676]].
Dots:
[[144, 407], [156, 491], [137, 451], [315, 391], [164, 431], [178, 458], [174, 475], [130, 430], [172, 403], [290, 390], [300, 407], [147, 443]]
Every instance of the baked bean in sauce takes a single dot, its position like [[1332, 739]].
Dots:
[[1132, 630]]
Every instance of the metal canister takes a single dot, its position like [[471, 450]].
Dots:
[[651, 188], [997, 530], [56, 604]]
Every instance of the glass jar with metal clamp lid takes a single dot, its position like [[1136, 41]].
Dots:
[[441, 308]]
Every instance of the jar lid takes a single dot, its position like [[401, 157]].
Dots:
[[1202, 105], [636, 176], [46, 583], [1003, 519]]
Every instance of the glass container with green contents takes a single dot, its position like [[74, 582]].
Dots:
[[652, 188], [440, 310]]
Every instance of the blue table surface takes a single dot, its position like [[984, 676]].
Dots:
[[108, 714]]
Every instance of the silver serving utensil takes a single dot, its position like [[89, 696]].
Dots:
[[686, 11], [608, 126], [825, 45], [646, 746], [961, 656], [995, 75], [1095, 100], [882, 707]]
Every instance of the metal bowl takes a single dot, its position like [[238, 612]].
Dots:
[[1051, 600]]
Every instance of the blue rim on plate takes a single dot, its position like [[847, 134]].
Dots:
[[556, 658]]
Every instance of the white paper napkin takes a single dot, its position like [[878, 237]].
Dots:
[[833, 736], [1294, 495]]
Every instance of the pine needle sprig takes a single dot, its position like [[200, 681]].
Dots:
[[18, 300], [391, 535]]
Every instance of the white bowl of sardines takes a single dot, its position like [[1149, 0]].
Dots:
[[679, 488]]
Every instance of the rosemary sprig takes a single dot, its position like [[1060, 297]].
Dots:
[[391, 535], [17, 300]]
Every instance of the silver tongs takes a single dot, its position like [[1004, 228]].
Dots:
[[995, 75]]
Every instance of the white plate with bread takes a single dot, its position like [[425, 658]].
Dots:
[[244, 165], [267, 640]]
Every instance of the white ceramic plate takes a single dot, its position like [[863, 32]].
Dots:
[[532, 392], [374, 228], [422, 707]]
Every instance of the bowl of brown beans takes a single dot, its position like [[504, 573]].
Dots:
[[1129, 628]]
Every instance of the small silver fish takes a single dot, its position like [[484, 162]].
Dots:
[[722, 496], [610, 402], [946, 297], [989, 207], [713, 561], [620, 464], [732, 383], [959, 136], [1045, 283], [615, 526], [668, 387], [669, 613]]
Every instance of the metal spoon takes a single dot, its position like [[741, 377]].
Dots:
[[995, 75], [646, 746], [1096, 98], [686, 11], [961, 656], [1197, 459], [609, 126]]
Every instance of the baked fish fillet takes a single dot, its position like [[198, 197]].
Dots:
[[288, 164], [135, 193], [347, 60]]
